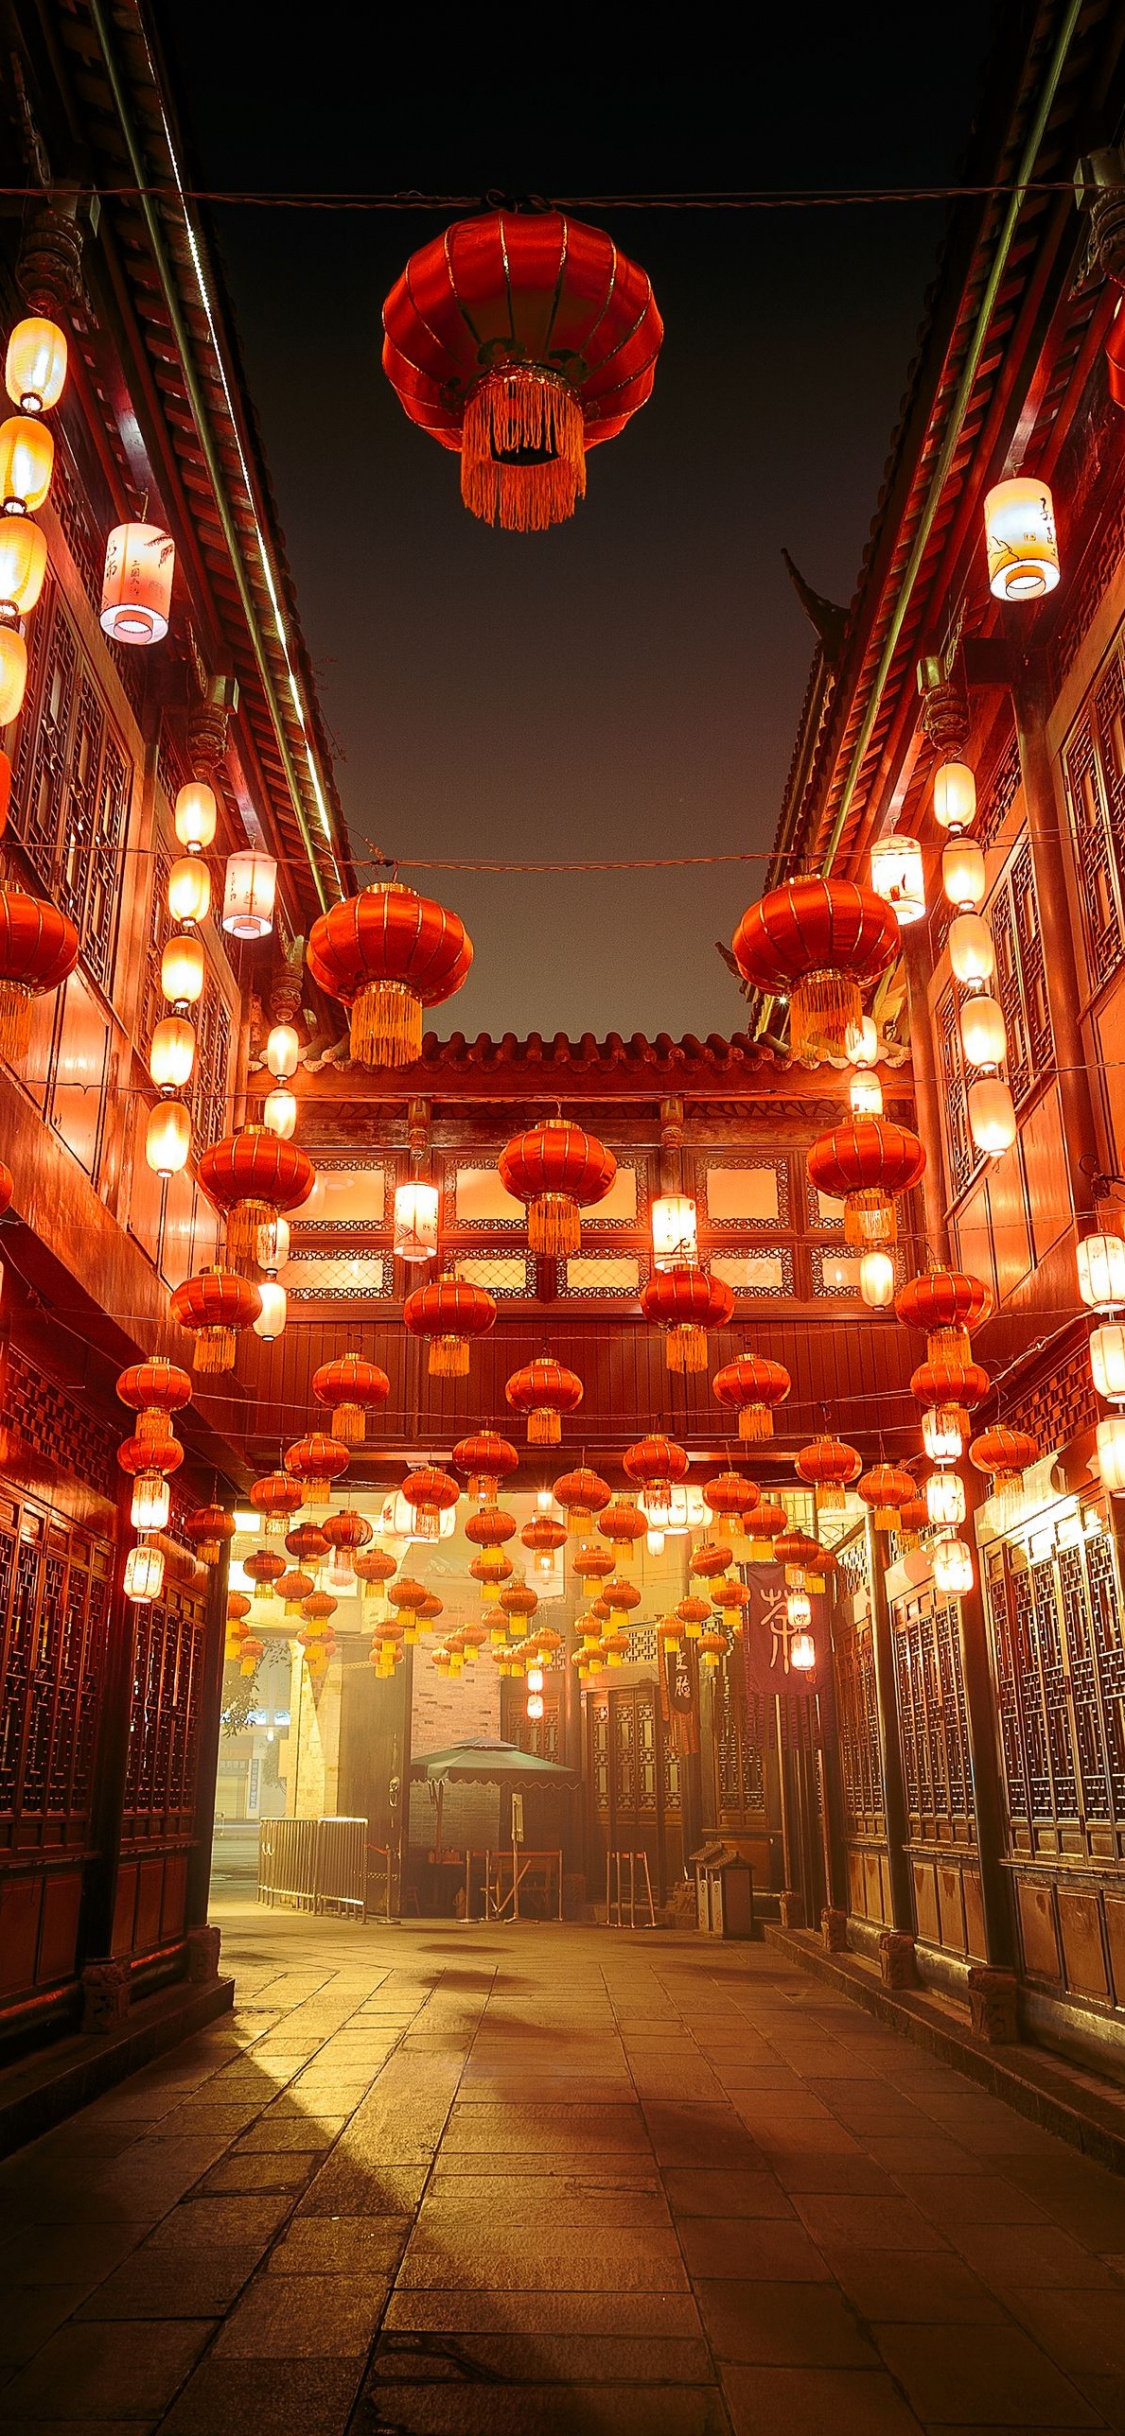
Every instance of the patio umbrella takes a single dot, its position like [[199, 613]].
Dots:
[[482, 1761]]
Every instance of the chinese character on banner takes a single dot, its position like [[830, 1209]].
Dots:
[[767, 1636], [678, 1705]]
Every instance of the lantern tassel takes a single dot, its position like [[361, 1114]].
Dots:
[[15, 1021], [823, 1009], [755, 1421], [449, 1357], [888, 1518], [153, 1425], [523, 449], [318, 1492], [347, 1424], [386, 1027], [214, 1349], [830, 1497], [243, 1223], [578, 1521], [949, 1345], [553, 1225], [687, 1348], [869, 1216], [544, 1426]]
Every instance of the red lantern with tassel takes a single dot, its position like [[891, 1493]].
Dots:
[[210, 1529], [429, 1493], [591, 1563], [753, 1388], [449, 1313], [887, 1489], [386, 954], [521, 340], [154, 1390], [624, 1528], [485, 1459], [264, 1569], [953, 1384], [1004, 1455], [557, 1170], [277, 1497], [316, 1461], [867, 1163], [655, 1464], [819, 943], [543, 1535], [946, 1303], [214, 1307], [163, 1455], [353, 1387], [767, 1524], [829, 1466], [38, 949], [544, 1390], [581, 1494], [254, 1176], [490, 1526], [686, 1302], [346, 1530], [307, 1543], [733, 1499]]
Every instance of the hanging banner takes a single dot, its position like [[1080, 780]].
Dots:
[[767, 1638], [679, 1706]]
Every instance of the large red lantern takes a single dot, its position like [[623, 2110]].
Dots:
[[38, 948], [386, 954], [485, 1459], [429, 1493], [353, 1387], [887, 1490], [154, 1390], [733, 1499], [581, 1494], [308, 1543], [655, 1464], [347, 1530], [624, 1527], [137, 1455], [829, 1466], [543, 1535], [210, 1529], [544, 1390], [449, 1313], [264, 1569], [819, 943], [254, 1177], [946, 1303], [316, 1461], [214, 1306], [868, 1163], [950, 1382], [752, 1387], [686, 1302], [490, 1527], [558, 1170], [276, 1499], [521, 340], [1004, 1455]]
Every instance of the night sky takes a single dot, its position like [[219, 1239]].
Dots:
[[629, 683]]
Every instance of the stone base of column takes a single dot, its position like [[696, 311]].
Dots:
[[994, 2005], [203, 1955], [834, 1930], [105, 1997], [897, 1965]]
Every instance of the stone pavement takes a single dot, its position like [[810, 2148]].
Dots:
[[537, 2178]]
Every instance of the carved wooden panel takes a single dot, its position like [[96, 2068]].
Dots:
[[46, 1418], [160, 1782], [1059, 1657], [1093, 767], [857, 1713], [72, 785], [741, 1764], [933, 1728], [961, 1158], [54, 1615], [1021, 981]]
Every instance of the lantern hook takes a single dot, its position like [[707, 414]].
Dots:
[[494, 199]]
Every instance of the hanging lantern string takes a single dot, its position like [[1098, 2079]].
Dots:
[[798, 198]]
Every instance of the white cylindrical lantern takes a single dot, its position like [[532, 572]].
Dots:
[[196, 815], [137, 585], [248, 895], [971, 950], [152, 1502], [865, 1094], [534, 1706], [675, 1230], [798, 1610], [341, 1574], [897, 877], [942, 1434], [992, 1115], [1101, 1272], [953, 1566], [13, 674], [945, 1499], [271, 1318], [182, 971], [877, 1280], [279, 1114], [984, 1036], [27, 462], [172, 1053], [189, 889], [862, 1041], [273, 1244], [1111, 1453], [963, 874], [416, 1221], [1023, 550], [654, 1542], [283, 1051], [802, 1652], [955, 796], [35, 365], [144, 1574], [535, 1678], [23, 565], [168, 1138], [1107, 1360]]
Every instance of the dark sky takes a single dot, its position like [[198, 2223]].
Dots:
[[628, 684]]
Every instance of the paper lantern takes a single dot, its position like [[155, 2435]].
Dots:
[[249, 894], [733, 1498], [581, 1494], [38, 949], [196, 815], [955, 796], [945, 1499], [429, 1493], [1110, 1439], [214, 1306], [944, 1429], [151, 1502], [819, 943], [885, 1489], [992, 1115], [23, 565], [971, 950], [352, 1387], [798, 1610], [27, 462], [675, 1230], [144, 1574], [802, 1653], [251, 1176], [1101, 1272], [386, 954], [655, 1464], [829, 1466], [1022, 544], [283, 1051], [271, 1250], [168, 1138], [521, 340], [623, 1527], [316, 1461], [35, 365], [865, 1095], [154, 1390], [753, 1388], [877, 1280], [686, 1302], [557, 1170], [897, 877], [189, 889], [13, 674], [276, 1499], [485, 1459], [946, 1304], [544, 1390], [416, 1221], [140, 561], [963, 875], [868, 1163], [279, 1114], [210, 1529], [450, 1313], [171, 1055], [953, 1566], [271, 1319], [1107, 1360], [984, 1037], [1004, 1455], [183, 971]]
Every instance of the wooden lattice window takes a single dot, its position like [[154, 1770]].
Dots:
[[960, 1156], [164, 1718], [54, 1618], [742, 1784], [857, 1710], [71, 785], [1021, 980], [933, 1726], [1093, 766], [1059, 1654]]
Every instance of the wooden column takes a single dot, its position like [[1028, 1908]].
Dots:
[[890, 1746], [832, 1788], [1031, 697], [927, 1089], [100, 1895], [207, 1755], [984, 1753]]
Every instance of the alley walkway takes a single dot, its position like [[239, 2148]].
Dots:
[[433, 2178]]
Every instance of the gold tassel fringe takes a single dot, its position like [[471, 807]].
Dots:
[[15, 1021], [949, 1345], [578, 1521], [214, 1349], [755, 1421], [823, 1008], [520, 412], [869, 1216], [243, 1224], [449, 1357], [544, 1426], [347, 1424], [318, 1492], [888, 1518], [386, 1025], [553, 1225], [830, 1497], [687, 1347], [153, 1426], [761, 1551]]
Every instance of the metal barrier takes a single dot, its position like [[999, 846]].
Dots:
[[625, 1897], [317, 1864]]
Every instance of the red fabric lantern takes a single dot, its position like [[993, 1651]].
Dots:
[[238, 1606], [254, 1176], [710, 1559], [386, 954], [38, 948], [558, 1170], [804, 1559], [353, 1387], [623, 1527], [950, 1382], [155, 1390], [591, 1563], [542, 1535], [913, 1519], [686, 1302], [887, 1489], [264, 1569], [209, 1531], [307, 1542], [490, 1526], [581, 1494], [449, 1312], [277, 1497], [766, 1527], [519, 1603], [829, 1466], [947, 1303], [544, 1391], [162, 1455], [521, 340], [294, 1588], [1004, 1455], [374, 1567], [819, 943], [753, 1388], [214, 1306], [486, 1459], [867, 1163], [491, 1568], [655, 1464], [347, 1529], [316, 1461], [430, 1493], [733, 1498]]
